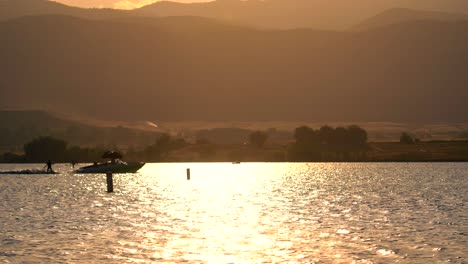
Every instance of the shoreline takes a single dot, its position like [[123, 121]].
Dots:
[[296, 162]]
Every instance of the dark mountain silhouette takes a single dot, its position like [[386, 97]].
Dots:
[[33, 119], [181, 24], [269, 14], [401, 15], [19, 127], [115, 70], [10, 9], [286, 14]]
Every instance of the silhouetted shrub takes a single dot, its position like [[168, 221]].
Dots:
[[406, 138]]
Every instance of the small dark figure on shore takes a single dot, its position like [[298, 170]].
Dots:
[[73, 164], [49, 166]]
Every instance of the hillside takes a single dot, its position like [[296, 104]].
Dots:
[[269, 14], [20, 127], [288, 14], [10, 9], [146, 71], [402, 15]]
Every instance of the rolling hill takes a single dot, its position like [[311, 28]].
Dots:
[[402, 15], [289, 14], [10, 9], [19, 127], [155, 70], [269, 14]]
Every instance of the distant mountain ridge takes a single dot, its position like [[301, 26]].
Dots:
[[288, 14], [40, 119], [401, 15], [155, 70], [10, 9], [20, 127], [270, 14]]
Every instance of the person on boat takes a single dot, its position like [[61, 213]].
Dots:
[[49, 166]]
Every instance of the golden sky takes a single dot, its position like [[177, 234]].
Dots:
[[120, 4], [436, 5]]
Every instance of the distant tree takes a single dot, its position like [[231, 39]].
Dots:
[[79, 154], [159, 149], [162, 147], [326, 134], [340, 137], [357, 136], [304, 135], [307, 146], [328, 143], [258, 138], [46, 148], [406, 138]]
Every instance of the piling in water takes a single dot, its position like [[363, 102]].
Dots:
[[110, 182], [188, 174]]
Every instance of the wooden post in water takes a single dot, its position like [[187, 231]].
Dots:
[[110, 182], [188, 174]]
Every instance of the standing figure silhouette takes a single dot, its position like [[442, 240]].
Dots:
[[49, 166]]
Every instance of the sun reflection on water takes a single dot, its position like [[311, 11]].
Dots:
[[218, 210], [232, 213], [239, 213]]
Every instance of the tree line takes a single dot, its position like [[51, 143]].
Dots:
[[42, 149], [328, 144], [323, 144]]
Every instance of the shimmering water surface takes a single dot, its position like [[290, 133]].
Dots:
[[246, 213]]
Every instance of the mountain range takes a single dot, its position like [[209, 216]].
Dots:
[[288, 14], [401, 65], [263, 14], [19, 127], [402, 15]]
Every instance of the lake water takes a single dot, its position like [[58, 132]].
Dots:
[[246, 213]]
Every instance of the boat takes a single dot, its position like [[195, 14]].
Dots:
[[116, 166]]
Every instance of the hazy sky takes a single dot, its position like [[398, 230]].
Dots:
[[439, 5], [122, 4]]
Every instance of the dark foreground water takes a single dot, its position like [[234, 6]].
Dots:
[[247, 213]]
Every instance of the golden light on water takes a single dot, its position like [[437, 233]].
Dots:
[[220, 206], [229, 213], [245, 213]]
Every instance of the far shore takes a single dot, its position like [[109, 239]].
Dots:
[[378, 152]]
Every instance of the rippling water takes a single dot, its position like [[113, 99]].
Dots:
[[246, 213]]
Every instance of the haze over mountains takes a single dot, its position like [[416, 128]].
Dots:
[[401, 68], [272, 14], [402, 15], [287, 14]]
